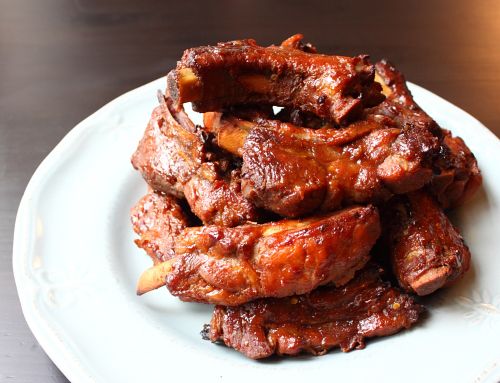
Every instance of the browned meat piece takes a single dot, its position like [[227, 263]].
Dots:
[[241, 72], [293, 177], [158, 219], [218, 200], [316, 322], [456, 174], [293, 171], [396, 149], [231, 266], [426, 251], [170, 152], [175, 158]]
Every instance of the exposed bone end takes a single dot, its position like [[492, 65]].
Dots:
[[212, 121], [386, 91], [154, 277], [230, 135], [256, 83], [184, 85], [295, 42], [431, 280], [232, 139]]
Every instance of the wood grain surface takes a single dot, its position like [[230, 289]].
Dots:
[[61, 60]]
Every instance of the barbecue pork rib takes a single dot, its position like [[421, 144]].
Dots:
[[169, 153], [327, 317], [426, 251], [231, 266], [456, 176], [396, 148], [294, 171], [242, 72], [175, 157]]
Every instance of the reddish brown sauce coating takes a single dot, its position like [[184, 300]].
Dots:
[[292, 176], [426, 250], [301, 285], [294, 171], [456, 176], [216, 198], [316, 322], [231, 266], [242, 72], [158, 219], [169, 153], [175, 158]]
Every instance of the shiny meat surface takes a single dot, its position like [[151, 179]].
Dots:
[[158, 219], [231, 266], [427, 252], [174, 157], [216, 197], [456, 176], [316, 322], [349, 134], [242, 72], [169, 153], [294, 171], [293, 177]]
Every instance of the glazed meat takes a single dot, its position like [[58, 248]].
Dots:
[[158, 219], [316, 322], [244, 212], [174, 157], [215, 196], [397, 148], [231, 266], [294, 171], [242, 72], [426, 251], [169, 152], [456, 175]]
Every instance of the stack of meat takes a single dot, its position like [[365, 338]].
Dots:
[[282, 219]]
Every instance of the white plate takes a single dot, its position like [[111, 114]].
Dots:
[[76, 267]]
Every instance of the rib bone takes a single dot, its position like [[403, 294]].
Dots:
[[231, 266], [241, 72]]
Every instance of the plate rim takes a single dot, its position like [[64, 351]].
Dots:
[[60, 355], [58, 352]]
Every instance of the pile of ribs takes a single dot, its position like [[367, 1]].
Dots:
[[309, 207]]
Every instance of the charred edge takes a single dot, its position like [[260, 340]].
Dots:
[[205, 332]]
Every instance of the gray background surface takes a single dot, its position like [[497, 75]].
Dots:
[[61, 60]]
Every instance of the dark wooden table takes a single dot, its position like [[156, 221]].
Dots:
[[61, 60]]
